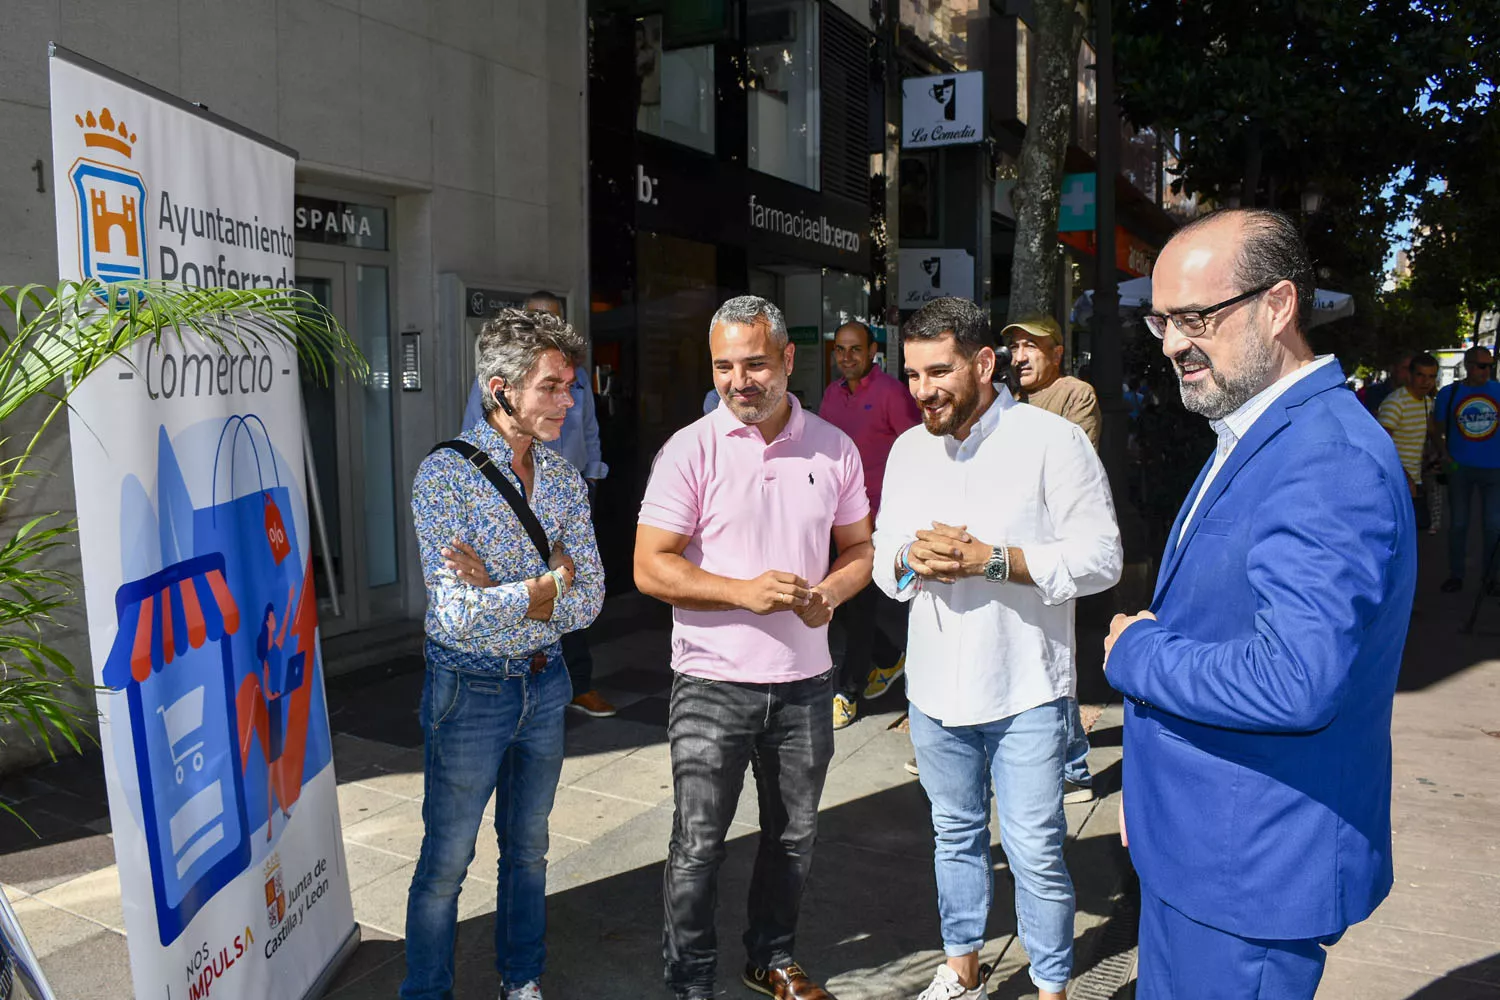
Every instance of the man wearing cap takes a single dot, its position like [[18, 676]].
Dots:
[[874, 410], [1036, 351]]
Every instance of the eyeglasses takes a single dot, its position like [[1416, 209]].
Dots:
[[1194, 323]]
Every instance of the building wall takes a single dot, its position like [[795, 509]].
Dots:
[[470, 113]]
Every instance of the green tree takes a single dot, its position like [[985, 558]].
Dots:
[[51, 340], [1363, 104]]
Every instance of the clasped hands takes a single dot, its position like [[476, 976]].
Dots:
[[946, 553], [776, 590]]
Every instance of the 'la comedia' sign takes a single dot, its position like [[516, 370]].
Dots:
[[945, 110]]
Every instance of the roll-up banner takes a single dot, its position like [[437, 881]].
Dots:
[[197, 569]]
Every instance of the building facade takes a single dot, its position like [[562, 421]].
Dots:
[[442, 173], [730, 148]]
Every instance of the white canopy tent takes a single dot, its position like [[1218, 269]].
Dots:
[[1135, 298]]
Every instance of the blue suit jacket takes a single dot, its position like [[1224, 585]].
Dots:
[[1257, 725]]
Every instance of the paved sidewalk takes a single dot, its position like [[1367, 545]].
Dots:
[[869, 923]]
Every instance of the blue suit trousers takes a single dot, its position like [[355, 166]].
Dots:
[[1181, 959]]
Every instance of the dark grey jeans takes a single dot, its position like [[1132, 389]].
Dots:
[[785, 733]]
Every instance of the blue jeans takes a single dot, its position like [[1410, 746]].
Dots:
[[1462, 482], [485, 730], [1023, 756], [1076, 767]]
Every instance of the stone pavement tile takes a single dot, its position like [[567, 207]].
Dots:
[[359, 802], [397, 830], [587, 816], [1434, 898], [576, 765], [355, 758], [381, 903], [639, 843], [374, 970], [592, 735], [52, 931], [1432, 954], [629, 777], [57, 860], [1475, 849], [75, 972], [1351, 979], [95, 895], [405, 784], [367, 864]]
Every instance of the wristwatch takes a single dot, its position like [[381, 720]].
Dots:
[[998, 567]]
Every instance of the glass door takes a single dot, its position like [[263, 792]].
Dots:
[[350, 441]]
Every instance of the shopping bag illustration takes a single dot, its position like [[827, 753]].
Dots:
[[226, 710], [280, 721]]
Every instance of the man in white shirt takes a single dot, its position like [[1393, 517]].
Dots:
[[994, 518]]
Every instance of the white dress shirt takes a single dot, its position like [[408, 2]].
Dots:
[[979, 651], [1238, 424]]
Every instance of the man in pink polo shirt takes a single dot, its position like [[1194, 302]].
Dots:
[[873, 409], [733, 533]]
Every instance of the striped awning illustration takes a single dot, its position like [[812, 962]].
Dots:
[[164, 615]]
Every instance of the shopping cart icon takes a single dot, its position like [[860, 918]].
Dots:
[[173, 658], [184, 719]]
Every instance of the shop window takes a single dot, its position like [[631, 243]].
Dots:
[[943, 26], [783, 82], [675, 87]]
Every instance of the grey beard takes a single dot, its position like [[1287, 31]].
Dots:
[[1222, 394], [767, 406]]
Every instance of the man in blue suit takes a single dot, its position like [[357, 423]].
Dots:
[[1259, 686]]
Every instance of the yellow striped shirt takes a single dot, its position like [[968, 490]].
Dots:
[[1405, 417]]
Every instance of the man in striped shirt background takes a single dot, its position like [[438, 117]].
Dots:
[[1407, 415]]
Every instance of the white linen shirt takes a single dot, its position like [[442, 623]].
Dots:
[[1238, 424], [978, 651]]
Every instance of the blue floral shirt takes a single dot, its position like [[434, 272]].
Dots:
[[451, 500]]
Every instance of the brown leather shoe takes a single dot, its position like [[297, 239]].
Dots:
[[787, 983]]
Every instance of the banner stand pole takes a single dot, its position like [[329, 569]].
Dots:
[[315, 496]]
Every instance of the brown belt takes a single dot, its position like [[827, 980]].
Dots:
[[538, 662]]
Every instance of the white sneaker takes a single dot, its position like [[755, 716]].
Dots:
[[945, 986], [1073, 794], [526, 991]]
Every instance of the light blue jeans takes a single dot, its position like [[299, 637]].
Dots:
[[1076, 767], [1021, 759]]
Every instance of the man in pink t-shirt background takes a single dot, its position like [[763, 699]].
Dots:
[[874, 409], [734, 534]]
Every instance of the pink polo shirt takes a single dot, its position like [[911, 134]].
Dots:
[[748, 507], [875, 416]]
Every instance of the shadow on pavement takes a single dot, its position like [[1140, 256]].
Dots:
[[870, 908], [1476, 981]]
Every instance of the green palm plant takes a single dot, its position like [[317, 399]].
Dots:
[[51, 340]]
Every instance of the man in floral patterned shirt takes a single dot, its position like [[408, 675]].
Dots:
[[496, 685]]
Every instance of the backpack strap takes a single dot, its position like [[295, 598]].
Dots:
[[481, 461]]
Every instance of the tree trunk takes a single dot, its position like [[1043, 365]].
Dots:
[[1033, 283]]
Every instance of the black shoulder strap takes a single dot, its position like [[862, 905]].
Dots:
[[523, 511]]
